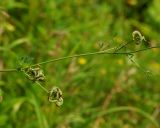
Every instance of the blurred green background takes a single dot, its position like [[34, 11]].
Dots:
[[47, 29]]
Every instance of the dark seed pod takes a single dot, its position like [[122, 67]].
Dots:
[[35, 74], [55, 96]]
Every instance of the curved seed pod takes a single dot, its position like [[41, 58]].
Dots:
[[55, 96], [137, 37], [59, 102], [35, 74]]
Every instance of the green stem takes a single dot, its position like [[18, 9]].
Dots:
[[94, 53], [42, 87], [120, 47], [85, 54], [8, 70]]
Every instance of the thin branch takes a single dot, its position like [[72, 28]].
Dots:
[[42, 87], [94, 53], [85, 54], [8, 70], [120, 47]]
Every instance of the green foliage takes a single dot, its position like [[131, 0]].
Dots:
[[92, 86]]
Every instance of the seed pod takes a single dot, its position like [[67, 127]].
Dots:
[[55, 96], [35, 74], [137, 37], [59, 102]]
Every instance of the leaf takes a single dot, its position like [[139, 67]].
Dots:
[[18, 42]]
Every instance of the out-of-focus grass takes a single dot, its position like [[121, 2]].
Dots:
[[51, 29]]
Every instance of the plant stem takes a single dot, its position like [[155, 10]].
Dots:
[[84, 54], [95, 53], [8, 70], [42, 87]]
